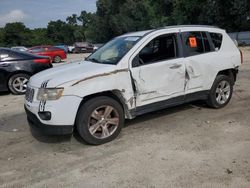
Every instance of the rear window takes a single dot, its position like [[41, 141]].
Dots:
[[217, 40]]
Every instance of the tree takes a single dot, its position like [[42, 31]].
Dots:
[[115, 17], [231, 15], [16, 34], [72, 20], [85, 19], [39, 37], [60, 32], [1, 37]]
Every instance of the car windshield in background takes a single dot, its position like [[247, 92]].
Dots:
[[113, 51]]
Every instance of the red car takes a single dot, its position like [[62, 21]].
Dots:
[[56, 54]]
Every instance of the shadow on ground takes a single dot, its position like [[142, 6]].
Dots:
[[2, 93], [139, 119], [165, 112]]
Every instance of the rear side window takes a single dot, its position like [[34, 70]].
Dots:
[[196, 43], [217, 40], [193, 43]]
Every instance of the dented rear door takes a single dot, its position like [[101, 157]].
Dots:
[[198, 61]]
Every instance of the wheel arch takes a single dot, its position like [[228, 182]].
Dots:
[[56, 55], [231, 73], [114, 94]]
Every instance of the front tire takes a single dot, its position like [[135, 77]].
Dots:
[[100, 120], [18, 83], [221, 92]]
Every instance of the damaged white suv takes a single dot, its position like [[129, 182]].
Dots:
[[133, 74]]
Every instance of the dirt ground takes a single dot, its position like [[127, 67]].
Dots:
[[185, 146]]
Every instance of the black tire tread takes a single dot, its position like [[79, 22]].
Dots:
[[211, 101], [83, 115]]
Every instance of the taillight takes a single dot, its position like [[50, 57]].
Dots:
[[44, 61], [241, 57]]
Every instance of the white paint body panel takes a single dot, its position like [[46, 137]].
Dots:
[[158, 81], [154, 82]]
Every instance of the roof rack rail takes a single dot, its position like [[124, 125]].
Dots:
[[177, 26]]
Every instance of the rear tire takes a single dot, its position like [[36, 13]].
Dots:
[[18, 83], [221, 92], [57, 59], [100, 120]]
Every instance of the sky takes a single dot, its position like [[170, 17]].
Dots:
[[37, 13]]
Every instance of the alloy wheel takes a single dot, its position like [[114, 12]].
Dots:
[[20, 84], [223, 92], [103, 122]]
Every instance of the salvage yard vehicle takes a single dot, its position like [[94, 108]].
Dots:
[[16, 68], [83, 47], [131, 75], [56, 54]]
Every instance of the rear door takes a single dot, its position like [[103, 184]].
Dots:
[[198, 61]]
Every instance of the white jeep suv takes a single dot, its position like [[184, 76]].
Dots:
[[133, 74]]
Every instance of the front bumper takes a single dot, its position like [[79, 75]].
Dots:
[[36, 125]]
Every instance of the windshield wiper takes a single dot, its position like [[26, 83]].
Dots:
[[93, 60]]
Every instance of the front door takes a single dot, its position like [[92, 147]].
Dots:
[[160, 72]]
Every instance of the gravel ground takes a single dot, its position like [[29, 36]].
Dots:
[[185, 146]]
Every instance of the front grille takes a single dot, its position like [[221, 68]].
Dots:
[[29, 95]]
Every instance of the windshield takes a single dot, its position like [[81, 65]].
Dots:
[[114, 50]]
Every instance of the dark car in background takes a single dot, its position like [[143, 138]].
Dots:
[[56, 54], [17, 67], [83, 47]]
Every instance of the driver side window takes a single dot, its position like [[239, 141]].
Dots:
[[159, 49]]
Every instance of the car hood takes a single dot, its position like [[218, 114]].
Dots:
[[62, 74]]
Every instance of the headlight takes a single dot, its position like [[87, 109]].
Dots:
[[49, 94]]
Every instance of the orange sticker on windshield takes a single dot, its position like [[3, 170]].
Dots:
[[192, 42]]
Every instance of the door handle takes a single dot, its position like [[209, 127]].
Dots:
[[175, 66]]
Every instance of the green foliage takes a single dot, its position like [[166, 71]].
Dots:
[[72, 20], [1, 37], [60, 32], [115, 17], [39, 37], [16, 34]]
